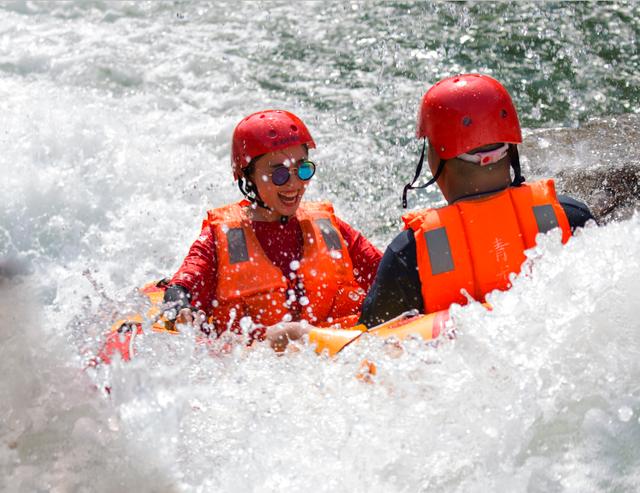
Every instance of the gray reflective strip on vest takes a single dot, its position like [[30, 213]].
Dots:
[[329, 233], [237, 245], [545, 217], [439, 251]]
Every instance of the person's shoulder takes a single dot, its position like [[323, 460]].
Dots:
[[342, 223], [225, 213], [578, 213], [403, 243], [568, 201]]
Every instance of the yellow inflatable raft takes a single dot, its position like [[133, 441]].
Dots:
[[332, 341]]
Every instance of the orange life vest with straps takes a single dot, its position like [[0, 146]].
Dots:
[[250, 285], [475, 245]]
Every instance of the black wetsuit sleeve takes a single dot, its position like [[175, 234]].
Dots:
[[396, 288], [577, 212]]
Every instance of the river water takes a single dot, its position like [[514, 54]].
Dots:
[[114, 139]]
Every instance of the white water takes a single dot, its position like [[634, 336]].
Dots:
[[114, 141]]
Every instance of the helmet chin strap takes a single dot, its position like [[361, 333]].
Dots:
[[250, 191], [410, 186], [514, 159]]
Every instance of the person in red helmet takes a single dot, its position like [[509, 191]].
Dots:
[[473, 245], [271, 258]]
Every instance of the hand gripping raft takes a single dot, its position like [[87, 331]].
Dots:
[[122, 335]]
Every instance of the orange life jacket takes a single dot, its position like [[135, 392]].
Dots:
[[250, 285], [477, 244]]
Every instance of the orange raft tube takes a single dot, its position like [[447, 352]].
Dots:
[[120, 339], [428, 327]]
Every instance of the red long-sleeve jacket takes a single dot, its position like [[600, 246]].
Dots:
[[282, 244]]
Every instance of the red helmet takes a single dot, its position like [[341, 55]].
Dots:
[[465, 112], [266, 131]]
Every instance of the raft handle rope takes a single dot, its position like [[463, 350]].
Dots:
[[132, 339]]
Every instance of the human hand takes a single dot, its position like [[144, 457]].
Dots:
[[279, 335], [176, 304], [191, 317]]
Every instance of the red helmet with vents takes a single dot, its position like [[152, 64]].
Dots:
[[465, 112], [266, 131]]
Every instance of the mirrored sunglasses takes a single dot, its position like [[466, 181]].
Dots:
[[281, 174]]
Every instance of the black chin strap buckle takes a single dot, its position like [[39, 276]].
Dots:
[[406, 189]]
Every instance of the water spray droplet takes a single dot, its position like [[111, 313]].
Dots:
[[625, 413]]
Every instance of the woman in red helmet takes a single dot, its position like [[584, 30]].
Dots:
[[473, 245], [272, 258]]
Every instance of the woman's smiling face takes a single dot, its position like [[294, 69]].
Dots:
[[283, 200]]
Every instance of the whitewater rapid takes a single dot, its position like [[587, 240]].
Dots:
[[114, 140], [541, 392]]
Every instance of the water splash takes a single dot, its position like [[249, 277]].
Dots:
[[120, 121]]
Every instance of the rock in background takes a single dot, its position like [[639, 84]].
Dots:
[[598, 163]]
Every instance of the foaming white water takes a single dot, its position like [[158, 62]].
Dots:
[[539, 394], [118, 141], [57, 433]]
